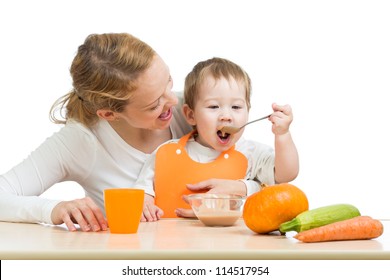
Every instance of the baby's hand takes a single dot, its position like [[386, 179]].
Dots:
[[151, 212], [281, 119]]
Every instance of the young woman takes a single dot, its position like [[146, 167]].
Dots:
[[120, 109]]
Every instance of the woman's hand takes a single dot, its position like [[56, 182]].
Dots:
[[219, 186], [185, 213], [83, 212], [150, 212], [213, 186]]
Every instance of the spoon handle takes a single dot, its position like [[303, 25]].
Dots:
[[266, 117]]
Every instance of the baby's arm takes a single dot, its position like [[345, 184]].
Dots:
[[286, 154], [150, 212]]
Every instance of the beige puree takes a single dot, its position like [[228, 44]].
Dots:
[[211, 217]]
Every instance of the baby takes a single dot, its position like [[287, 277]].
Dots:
[[217, 93]]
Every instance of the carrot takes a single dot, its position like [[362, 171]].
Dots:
[[361, 227]]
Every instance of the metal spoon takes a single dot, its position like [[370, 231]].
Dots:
[[234, 129]]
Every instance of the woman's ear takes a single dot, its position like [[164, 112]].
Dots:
[[107, 115], [189, 115]]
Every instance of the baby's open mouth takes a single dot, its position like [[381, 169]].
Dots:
[[223, 136]]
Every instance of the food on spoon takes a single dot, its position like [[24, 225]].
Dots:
[[357, 228], [265, 210], [228, 130], [319, 217]]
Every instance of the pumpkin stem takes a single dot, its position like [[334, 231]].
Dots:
[[263, 185]]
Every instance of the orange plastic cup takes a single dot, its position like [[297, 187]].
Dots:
[[123, 209]]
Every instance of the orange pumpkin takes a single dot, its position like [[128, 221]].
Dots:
[[267, 209]]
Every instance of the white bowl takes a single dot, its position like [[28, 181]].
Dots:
[[217, 209]]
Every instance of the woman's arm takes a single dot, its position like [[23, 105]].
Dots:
[[67, 155]]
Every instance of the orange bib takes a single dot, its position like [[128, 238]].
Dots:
[[175, 169]]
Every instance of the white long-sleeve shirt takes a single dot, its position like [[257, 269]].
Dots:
[[261, 162], [96, 158]]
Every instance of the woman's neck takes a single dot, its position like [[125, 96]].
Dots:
[[144, 140]]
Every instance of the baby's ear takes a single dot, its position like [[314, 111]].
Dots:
[[189, 115]]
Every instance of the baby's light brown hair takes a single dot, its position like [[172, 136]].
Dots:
[[218, 68]]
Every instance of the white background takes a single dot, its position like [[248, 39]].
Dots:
[[329, 60]]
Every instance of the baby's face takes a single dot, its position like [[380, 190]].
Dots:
[[219, 103]]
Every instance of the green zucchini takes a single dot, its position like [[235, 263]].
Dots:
[[319, 217]]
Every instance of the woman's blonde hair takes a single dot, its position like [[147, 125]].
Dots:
[[218, 68], [104, 73]]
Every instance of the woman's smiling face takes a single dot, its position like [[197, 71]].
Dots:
[[218, 103], [150, 106]]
